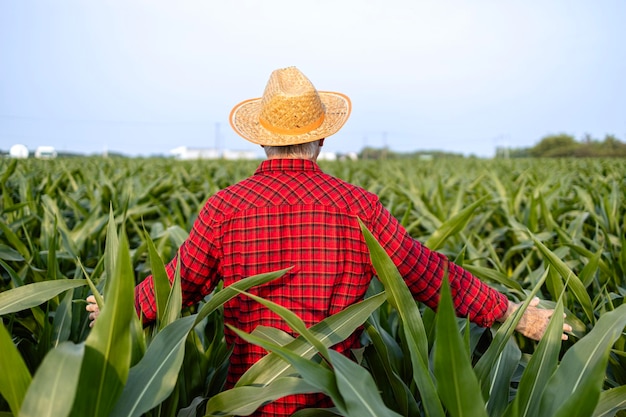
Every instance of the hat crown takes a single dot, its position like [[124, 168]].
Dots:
[[290, 103], [290, 112]]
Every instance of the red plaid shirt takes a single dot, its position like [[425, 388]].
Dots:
[[290, 213]]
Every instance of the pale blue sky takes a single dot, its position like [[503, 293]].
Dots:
[[143, 77]]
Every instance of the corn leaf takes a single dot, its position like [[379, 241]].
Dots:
[[108, 347], [15, 278], [62, 322], [245, 400], [540, 368], [231, 291], [111, 247], [574, 283], [15, 377], [577, 382], [401, 299], [152, 380], [456, 382], [355, 384], [453, 225], [490, 358], [174, 303], [161, 281], [502, 373], [315, 374], [32, 295], [358, 389], [53, 388], [611, 401], [329, 331], [379, 362], [316, 412], [293, 321]]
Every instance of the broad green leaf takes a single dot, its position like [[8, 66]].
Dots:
[[316, 412], [490, 358], [401, 299], [493, 275], [52, 390], [380, 363], [587, 273], [611, 401], [315, 374], [15, 377], [152, 380], [355, 385], [453, 225], [108, 346], [111, 247], [10, 170], [10, 254], [62, 323], [456, 382], [540, 368], [574, 283], [274, 335], [15, 242], [578, 379], [94, 290], [174, 303], [295, 322], [177, 235], [243, 401], [53, 212], [358, 389], [329, 331], [160, 279], [53, 263], [15, 278], [229, 292], [502, 373], [32, 295]]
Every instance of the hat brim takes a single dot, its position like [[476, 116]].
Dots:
[[244, 119]]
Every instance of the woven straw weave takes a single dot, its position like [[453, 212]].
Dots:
[[290, 112]]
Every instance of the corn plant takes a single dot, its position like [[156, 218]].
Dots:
[[552, 228]]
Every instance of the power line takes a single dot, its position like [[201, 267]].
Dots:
[[106, 121]]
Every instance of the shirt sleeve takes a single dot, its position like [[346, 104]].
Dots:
[[423, 271], [199, 262]]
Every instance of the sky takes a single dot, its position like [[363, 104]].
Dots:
[[143, 77]]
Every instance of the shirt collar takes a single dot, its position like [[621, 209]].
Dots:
[[282, 165]]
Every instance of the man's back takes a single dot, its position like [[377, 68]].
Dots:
[[290, 214]]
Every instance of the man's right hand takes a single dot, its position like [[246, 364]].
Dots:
[[93, 309]]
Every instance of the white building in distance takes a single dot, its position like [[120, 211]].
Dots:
[[187, 153], [45, 152], [18, 151]]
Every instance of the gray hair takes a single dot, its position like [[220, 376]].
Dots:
[[309, 150]]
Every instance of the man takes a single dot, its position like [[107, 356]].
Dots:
[[291, 214]]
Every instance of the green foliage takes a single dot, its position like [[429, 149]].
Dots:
[[563, 145], [553, 227]]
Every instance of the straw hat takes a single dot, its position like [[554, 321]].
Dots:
[[290, 112]]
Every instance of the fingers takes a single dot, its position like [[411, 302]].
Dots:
[[93, 309], [566, 329], [534, 302]]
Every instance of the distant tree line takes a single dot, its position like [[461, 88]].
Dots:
[[564, 145], [386, 153]]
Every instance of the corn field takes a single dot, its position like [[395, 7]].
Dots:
[[547, 227]]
